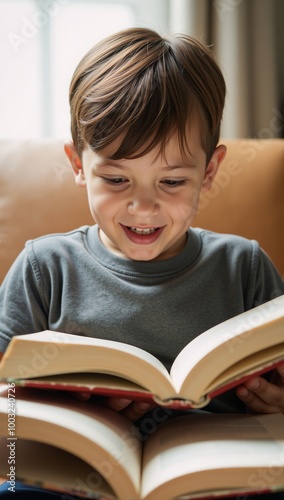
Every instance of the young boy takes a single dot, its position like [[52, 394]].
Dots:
[[145, 122]]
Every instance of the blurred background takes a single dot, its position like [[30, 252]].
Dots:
[[43, 40]]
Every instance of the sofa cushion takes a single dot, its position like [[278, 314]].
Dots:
[[247, 197], [38, 195]]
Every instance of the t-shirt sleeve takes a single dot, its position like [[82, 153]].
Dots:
[[23, 307], [264, 282]]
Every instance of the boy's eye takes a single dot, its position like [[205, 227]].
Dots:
[[115, 181], [173, 183]]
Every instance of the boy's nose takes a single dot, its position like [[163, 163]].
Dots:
[[143, 205]]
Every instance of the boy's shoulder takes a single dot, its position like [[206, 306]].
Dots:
[[239, 256], [65, 238], [215, 242], [56, 244]]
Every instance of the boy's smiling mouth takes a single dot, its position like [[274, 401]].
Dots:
[[140, 230], [142, 235]]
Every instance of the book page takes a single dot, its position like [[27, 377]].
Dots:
[[196, 446], [249, 366], [49, 353], [214, 351], [105, 440], [53, 469], [93, 382]]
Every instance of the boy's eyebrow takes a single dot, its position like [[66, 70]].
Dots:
[[182, 165], [108, 163], [111, 163]]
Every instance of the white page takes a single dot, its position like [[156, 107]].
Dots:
[[195, 443]]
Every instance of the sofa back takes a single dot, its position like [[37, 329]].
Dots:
[[38, 195]]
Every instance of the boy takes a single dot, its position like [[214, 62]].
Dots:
[[145, 122]]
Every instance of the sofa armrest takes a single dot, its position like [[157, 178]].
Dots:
[[38, 195], [247, 197]]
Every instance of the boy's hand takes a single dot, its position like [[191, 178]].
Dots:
[[263, 396], [133, 410]]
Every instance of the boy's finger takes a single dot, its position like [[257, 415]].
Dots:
[[130, 409], [256, 405], [136, 410], [271, 393], [81, 396], [117, 404], [280, 371], [261, 396]]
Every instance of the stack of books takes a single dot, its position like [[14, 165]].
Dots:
[[51, 439]]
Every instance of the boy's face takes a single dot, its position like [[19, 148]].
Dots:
[[145, 206]]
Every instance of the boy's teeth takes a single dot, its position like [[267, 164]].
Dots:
[[138, 230]]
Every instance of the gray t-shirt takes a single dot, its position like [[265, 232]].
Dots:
[[72, 283]]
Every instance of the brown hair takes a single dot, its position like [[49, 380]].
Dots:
[[141, 87]]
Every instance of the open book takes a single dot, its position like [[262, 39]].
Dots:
[[87, 450], [217, 360]]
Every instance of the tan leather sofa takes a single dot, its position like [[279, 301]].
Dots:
[[38, 195]]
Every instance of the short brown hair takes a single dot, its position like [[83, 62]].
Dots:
[[140, 86]]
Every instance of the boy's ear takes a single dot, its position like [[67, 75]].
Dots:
[[212, 167], [76, 163]]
